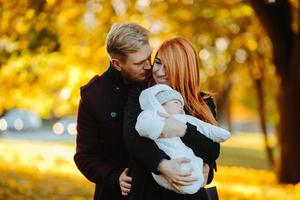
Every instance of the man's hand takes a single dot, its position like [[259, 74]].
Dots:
[[172, 127], [125, 182], [170, 169], [205, 173]]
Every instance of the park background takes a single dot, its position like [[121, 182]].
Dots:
[[249, 53]]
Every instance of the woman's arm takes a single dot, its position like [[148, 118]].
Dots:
[[201, 145], [143, 149], [215, 133]]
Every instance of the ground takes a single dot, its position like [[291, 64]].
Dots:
[[45, 170]]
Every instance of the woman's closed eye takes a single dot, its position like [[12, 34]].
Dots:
[[157, 65], [158, 62]]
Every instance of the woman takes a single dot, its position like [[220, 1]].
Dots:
[[176, 64]]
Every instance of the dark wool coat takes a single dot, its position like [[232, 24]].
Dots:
[[101, 154]]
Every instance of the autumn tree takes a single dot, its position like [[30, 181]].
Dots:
[[282, 24]]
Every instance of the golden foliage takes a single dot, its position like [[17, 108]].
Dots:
[[48, 49]]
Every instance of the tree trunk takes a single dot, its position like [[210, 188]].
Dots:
[[289, 133], [277, 20], [257, 75], [223, 105], [262, 117], [289, 126]]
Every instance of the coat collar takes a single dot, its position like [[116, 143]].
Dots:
[[115, 76]]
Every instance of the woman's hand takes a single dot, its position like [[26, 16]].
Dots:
[[172, 127], [125, 182], [170, 169]]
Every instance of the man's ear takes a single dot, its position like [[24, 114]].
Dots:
[[116, 64]]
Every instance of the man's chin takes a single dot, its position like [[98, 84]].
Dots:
[[143, 79], [139, 80]]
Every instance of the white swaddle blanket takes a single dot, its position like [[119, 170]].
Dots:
[[150, 124]]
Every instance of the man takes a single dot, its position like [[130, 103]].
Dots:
[[101, 154]]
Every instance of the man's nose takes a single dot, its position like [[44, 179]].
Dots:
[[147, 65]]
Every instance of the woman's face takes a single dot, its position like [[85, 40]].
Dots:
[[158, 71]]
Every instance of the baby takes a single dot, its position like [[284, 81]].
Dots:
[[162, 98]]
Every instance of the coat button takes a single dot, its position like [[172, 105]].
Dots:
[[113, 114]]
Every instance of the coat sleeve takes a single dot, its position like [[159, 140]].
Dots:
[[88, 154], [201, 145], [141, 148], [215, 133]]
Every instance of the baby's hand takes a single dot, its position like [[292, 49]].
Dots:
[[172, 127]]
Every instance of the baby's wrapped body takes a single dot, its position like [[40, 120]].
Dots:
[[150, 124], [175, 148]]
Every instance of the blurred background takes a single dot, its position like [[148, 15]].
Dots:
[[249, 53]]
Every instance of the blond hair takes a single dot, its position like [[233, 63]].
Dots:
[[124, 38]]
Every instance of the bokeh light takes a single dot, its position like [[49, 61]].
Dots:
[[58, 128], [3, 124], [18, 124]]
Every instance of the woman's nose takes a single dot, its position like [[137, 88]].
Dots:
[[160, 71]]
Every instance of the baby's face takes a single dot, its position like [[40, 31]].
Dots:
[[173, 107]]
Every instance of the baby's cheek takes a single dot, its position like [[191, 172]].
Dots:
[[172, 111], [167, 109]]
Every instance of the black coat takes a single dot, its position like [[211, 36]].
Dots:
[[145, 155], [101, 154]]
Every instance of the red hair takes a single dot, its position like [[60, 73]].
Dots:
[[182, 68]]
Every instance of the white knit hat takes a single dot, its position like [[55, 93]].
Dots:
[[168, 95]]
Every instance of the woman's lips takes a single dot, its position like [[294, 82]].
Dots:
[[162, 79]]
